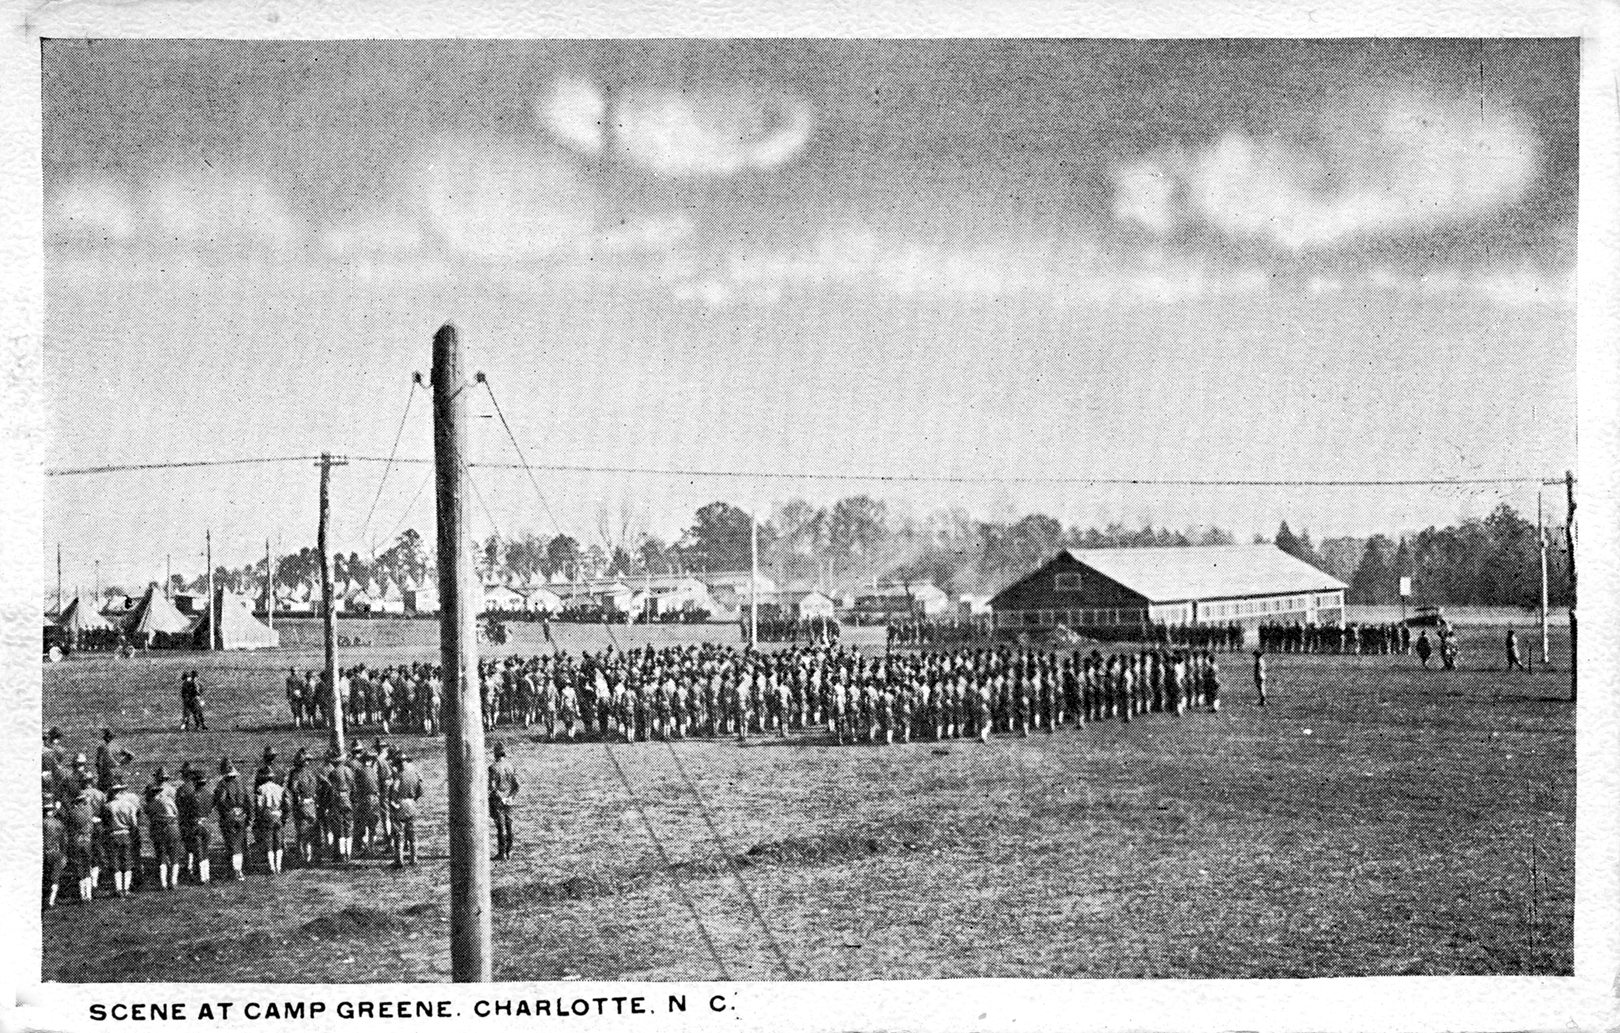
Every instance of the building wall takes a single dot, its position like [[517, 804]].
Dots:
[[1039, 591], [1036, 602]]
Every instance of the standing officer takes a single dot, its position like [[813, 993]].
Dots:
[[121, 816], [1260, 676], [191, 802], [404, 790], [503, 791], [234, 806], [303, 793], [1513, 659], [163, 824]]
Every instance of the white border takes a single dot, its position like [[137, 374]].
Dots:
[[1586, 1001]]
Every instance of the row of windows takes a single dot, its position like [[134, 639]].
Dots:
[[1262, 607], [1068, 618]]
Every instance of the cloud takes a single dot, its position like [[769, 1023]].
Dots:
[[208, 207], [857, 258], [193, 207], [377, 233], [503, 199], [1372, 166], [720, 132], [97, 207], [574, 111]]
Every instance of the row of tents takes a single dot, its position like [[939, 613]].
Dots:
[[154, 622]]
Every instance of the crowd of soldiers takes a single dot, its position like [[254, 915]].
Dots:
[[930, 631], [399, 698], [1351, 638], [711, 690], [775, 627], [95, 822]]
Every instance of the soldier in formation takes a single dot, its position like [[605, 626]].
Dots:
[[710, 690], [1350, 639], [364, 803]]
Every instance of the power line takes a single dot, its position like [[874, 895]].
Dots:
[[390, 465], [74, 471], [791, 475]]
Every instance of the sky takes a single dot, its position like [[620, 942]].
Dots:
[[1000, 261]]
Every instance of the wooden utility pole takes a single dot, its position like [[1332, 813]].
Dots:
[[1541, 543], [59, 579], [269, 588], [208, 556], [1569, 537], [328, 615], [753, 578], [470, 950]]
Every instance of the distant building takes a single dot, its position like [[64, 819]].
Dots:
[[900, 601], [805, 605], [1221, 584]]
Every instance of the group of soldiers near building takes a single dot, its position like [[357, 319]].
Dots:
[[1215, 638], [949, 631], [711, 690], [93, 820], [1351, 638], [774, 627]]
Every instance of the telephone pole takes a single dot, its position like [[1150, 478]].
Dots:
[[1569, 537], [1541, 543], [328, 618], [269, 589], [753, 578], [208, 556], [470, 939]]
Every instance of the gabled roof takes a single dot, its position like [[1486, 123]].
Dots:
[[155, 614], [79, 615], [1174, 574]]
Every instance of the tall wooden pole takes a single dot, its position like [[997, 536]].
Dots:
[[753, 578], [269, 588], [1541, 542], [208, 551], [59, 579], [470, 951], [1569, 536], [328, 617]]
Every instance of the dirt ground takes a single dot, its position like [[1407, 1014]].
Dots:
[[1375, 819]]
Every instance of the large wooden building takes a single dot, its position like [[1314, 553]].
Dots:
[[1220, 584]]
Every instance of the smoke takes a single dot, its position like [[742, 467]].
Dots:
[[1372, 165]]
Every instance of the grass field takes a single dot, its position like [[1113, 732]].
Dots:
[[1376, 819]]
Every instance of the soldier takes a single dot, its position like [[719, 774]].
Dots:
[[80, 822], [404, 790], [192, 803], [303, 792], [339, 804], [120, 817], [503, 792], [1512, 646], [55, 852], [110, 758], [1260, 676], [269, 817], [234, 807], [1424, 648], [367, 800], [192, 700], [163, 825], [295, 697]]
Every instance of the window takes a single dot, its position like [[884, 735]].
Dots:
[[1067, 582]]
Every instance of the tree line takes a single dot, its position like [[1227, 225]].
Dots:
[[1490, 561]]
